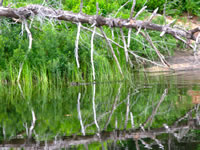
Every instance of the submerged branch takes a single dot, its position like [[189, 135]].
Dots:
[[104, 136], [150, 119]]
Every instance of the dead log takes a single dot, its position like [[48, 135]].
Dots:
[[39, 10]]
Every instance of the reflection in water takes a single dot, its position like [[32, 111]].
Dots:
[[101, 116], [195, 96]]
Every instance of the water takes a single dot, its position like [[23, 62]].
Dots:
[[153, 111]]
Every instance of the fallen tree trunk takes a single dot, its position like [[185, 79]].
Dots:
[[39, 10]]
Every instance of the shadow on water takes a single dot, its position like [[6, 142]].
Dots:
[[149, 112]]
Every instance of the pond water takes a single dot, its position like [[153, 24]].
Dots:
[[152, 111]]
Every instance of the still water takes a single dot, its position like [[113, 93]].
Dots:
[[152, 111]]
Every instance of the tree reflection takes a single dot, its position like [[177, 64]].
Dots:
[[118, 123]]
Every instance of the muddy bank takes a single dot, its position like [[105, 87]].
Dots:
[[181, 61]]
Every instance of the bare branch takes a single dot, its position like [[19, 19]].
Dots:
[[125, 47], [121, 8], [139, 12], [81, 7], [132, 120], [130, 51], [165, 27], [43, 11], [112, 51], [132, 9], [92, 52], [153, 14], [76, 44], [184, 41], [129, 37], [131, 16], [146, 60], [29, 47], [162, 59]]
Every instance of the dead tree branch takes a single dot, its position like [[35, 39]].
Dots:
[[76, 44], [161, 57], [92, 52], [131, 16], [130, 51], [43, 11], [29, 47], [69, 141], [125, 46], [112, 50]]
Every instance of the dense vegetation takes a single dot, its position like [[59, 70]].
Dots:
[[52, 55]]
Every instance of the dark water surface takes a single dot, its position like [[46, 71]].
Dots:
[[152, 111]]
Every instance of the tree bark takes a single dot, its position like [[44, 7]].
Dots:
[[32, 10]]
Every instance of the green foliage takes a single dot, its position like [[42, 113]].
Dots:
[[52, 53], [178, 7]]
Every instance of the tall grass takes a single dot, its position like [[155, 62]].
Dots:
[[51, 58]]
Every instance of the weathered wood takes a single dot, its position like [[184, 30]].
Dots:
[[43, 11]]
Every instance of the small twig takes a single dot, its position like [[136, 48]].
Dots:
[[161, 57], [76, 44], [129, 37], [132, 9], [138, 31], [146, 145], [121, 8], [165, 27], [112, 32], [81, 7], [132, 120], [112, 51], [153, 14], [125, 47], [139, 12], [182, 40]]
